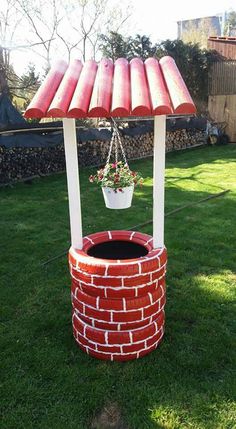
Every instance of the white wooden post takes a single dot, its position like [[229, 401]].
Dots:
[[159, 180], [72, 172]]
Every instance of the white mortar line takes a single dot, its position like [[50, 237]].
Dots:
[[122, 323], [118, 277], [131, 235], [91, 241], [121, 311], [150, 297], [124, 344], [124, 304], [106, 271]]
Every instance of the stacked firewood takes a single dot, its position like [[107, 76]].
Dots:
[[181, 139], [22, 162], [18, 163], [95, 152]]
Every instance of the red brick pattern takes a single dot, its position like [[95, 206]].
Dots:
[[123, 345], [118, 305]]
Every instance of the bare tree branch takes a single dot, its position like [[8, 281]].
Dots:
[[30, 45]]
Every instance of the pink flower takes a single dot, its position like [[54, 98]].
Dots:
[[91, 179], [120, 190], [100, 177], [114, 165]]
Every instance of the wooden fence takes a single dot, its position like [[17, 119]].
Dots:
[[222, 108], [222, 78], [222, 95]]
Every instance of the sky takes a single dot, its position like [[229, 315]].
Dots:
[[153, 18], [158, 19]]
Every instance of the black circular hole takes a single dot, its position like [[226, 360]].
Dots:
[[117, 249]]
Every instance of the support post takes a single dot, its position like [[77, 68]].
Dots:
[[159, 180], [72, 172]]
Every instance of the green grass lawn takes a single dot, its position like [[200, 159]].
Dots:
[[190, 380]]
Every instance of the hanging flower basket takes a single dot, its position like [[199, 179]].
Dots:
[[116, 179], [117, 182], [118, 199]]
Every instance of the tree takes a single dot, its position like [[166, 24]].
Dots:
[[41, 18], [141, 46], [8, 26], [42, 26], [86, 19], [115, 46], [74, 25], [28, 84], [10, 31]]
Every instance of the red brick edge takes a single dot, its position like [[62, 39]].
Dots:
[[81, 262], [110, 345], [115, 300]]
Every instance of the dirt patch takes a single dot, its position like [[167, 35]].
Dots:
[[109, 418]]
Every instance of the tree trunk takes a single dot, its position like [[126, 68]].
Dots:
[[4, 88]]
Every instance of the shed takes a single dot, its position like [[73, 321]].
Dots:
[[225, 46], [222, 84]]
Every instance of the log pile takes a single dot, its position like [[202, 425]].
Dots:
[[181, 139], [95, 152], [22, 162]]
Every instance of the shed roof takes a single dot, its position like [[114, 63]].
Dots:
[[105, 89], [223, 38]]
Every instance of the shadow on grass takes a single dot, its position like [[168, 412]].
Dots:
[[214, 155]]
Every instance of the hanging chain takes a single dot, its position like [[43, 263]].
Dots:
[[119, 140], [121, 146], [116, 152], [110, 149], [115, 140]]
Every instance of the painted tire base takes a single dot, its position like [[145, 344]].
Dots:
[[118, 305]]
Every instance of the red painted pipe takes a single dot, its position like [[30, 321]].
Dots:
[[102, 91], [161, 104], [139, 89], [180, 97], [61, 101], [80, 102], [121, 89], [41, 101]]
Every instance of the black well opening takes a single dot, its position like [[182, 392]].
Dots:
[[117, 249]]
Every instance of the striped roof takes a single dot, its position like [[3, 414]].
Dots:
[[105, 89]]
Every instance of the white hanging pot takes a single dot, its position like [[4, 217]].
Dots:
[[120, 199]]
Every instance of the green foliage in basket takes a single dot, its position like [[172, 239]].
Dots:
[[116, 176]]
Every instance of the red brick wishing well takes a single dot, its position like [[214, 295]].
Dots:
[[118, 277], [118, 304]]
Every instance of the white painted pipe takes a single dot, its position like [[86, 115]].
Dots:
[[72, 172], [159, 180]]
